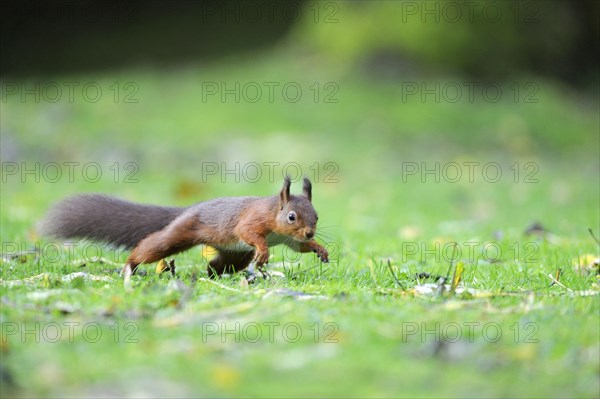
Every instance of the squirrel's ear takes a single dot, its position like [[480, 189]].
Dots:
[[307, 189], [284, 195]]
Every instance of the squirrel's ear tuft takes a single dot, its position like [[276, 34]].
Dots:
[[307, 189], [284, 195]]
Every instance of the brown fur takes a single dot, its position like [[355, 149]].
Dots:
[[223, 223]]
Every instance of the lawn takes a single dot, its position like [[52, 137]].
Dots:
[[408, 188]]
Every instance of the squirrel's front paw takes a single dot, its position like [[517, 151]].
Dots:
[[261, 257], [322, 254]]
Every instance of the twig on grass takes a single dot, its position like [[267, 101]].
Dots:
[[557, 276], [555, 281]]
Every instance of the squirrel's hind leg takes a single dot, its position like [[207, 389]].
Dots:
[[229, 262], [175, 238]]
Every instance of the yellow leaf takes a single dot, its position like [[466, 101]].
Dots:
[[225, 376], [587, 264], [458, 272], [161, 266], [208, 252], [46, 283]]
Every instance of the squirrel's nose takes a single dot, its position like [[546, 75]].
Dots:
[[310, 234]]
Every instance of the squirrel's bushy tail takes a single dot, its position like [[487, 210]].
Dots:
[[105, 219]]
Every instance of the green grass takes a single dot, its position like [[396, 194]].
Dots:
[[361, 334]]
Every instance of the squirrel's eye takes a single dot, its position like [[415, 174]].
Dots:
[[292, 217]]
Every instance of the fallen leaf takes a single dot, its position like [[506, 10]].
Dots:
[[207, 252], [587, 264], [225, 376], [161, 266], [458, 272]]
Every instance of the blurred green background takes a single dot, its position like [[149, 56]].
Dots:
[[173, 102], [362, 87]]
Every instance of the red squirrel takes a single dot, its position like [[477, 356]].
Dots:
[[241, 228]]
